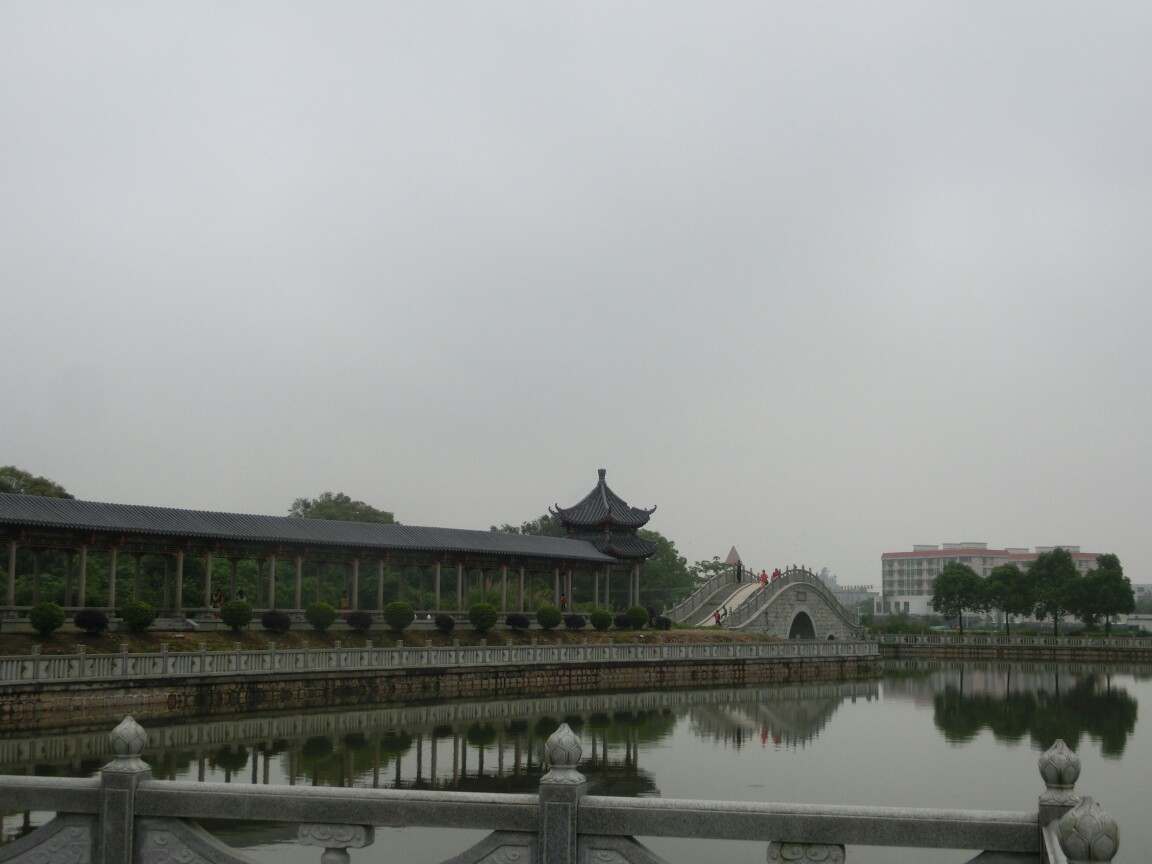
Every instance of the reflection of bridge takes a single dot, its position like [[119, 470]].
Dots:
[[797, 605]]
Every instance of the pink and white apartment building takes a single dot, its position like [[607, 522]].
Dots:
[[906, 577]]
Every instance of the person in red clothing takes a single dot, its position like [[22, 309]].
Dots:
[[763, 577], [775, 574]]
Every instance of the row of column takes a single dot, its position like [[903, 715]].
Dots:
[[563, 587]]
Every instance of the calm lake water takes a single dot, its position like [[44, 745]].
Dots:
[[950, 735]]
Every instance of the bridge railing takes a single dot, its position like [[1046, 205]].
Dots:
[[753, 605], [685, 609], [123, 816], [89, 668]]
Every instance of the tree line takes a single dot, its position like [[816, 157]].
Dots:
[[1050, 587]]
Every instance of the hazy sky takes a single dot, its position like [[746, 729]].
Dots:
[[819, 280]]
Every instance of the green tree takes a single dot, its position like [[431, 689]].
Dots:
[[1054, 580], [1008, 590], [958, 589], [237, 614], [138, 615], [14, 481], [46, 617], [702, 571], [549, 617], [320, 615], [1105, 591], [339, 507], [483, 617], [399, 615], [665, 579], [544, 526]]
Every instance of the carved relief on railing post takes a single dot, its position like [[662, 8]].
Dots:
[[335, 839], [805, 853], [560, 792], [118, 782], [1088, 834]]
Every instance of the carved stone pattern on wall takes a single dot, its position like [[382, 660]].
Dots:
[[178, 841], [499, 847], [64, 840], [804, 853], [335, 836], [615, 850]]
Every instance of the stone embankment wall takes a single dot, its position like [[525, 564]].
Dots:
[[36, 706], [1050, 649]]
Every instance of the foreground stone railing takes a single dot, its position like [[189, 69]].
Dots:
[[123, 816], [83, 667]]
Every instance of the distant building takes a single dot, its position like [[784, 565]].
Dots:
[[860, 598], [906, 577]]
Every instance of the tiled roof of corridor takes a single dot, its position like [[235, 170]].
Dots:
[[138, 519]]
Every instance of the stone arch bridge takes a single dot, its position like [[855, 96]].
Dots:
[[797, 605]]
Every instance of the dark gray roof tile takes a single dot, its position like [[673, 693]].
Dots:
[[138, 519]]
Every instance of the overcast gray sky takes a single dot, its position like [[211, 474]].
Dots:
[[819, 280]]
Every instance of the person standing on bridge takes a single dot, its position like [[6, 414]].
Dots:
[[775, 574], [763, 577], [716, 616]]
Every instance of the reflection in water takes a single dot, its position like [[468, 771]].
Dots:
[[476, 747], [1040, 701], [698, 743]]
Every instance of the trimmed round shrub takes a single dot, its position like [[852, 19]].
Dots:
[[662, 622], [91, 621], [46, 617], [237, 614], [575, 622], [444, 623], [517, 621], [549, 617], [622, 622], [399, 616], [483, 617], [320, 615], [137, 615], [359, 620], [276, 621], [600, 619], [638, 615]]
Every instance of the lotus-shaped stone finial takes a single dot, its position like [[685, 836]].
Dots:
[[1088, 834], [1060, 769], [128, 742], [562, 752]]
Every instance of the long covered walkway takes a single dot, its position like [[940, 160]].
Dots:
[[185, 561]]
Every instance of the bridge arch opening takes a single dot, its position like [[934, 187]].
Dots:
[[802, 627]]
